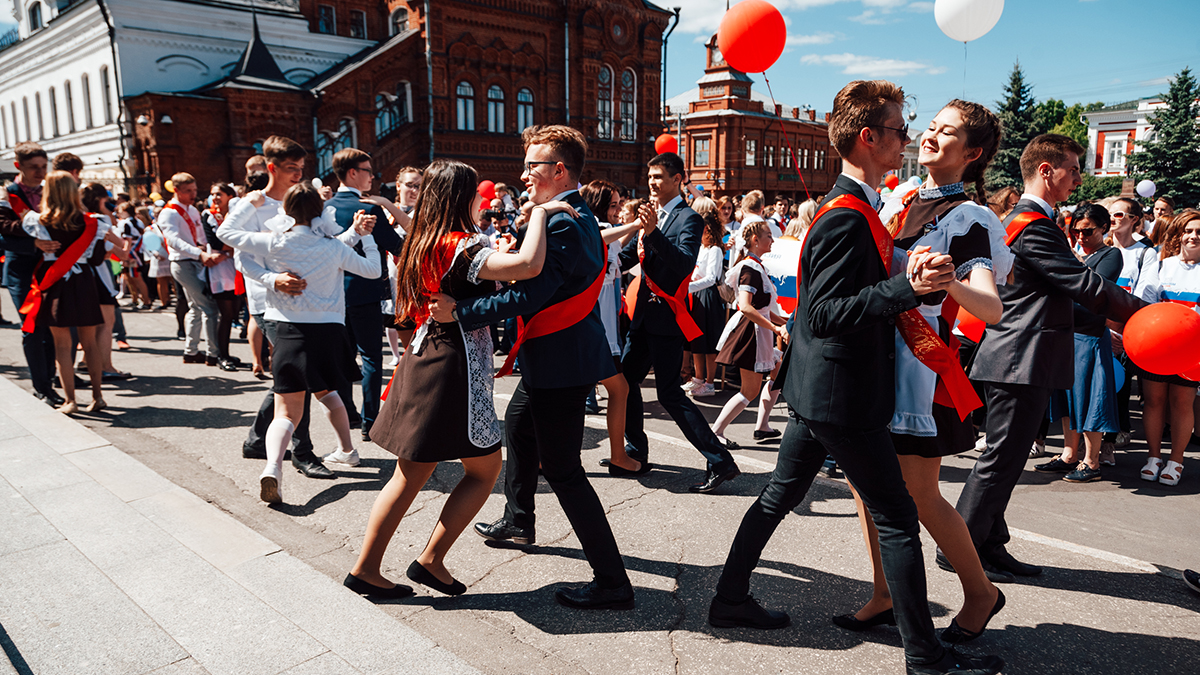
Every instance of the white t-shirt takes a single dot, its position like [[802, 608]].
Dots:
[[1178, 282], [1139, 270]]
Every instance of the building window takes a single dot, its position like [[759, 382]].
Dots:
[[386, 119], [1114, 155], [821, 159], [604, 91], [53, 113], [466, 106], [524, 109], [770, 153], [87, 103], [399, 21], [495, 109], [37, 109], [785, 158], [25, 109], [701, 156], [751, 147], [324, 153], [70, 107], [35, 16], [804, 158], [4, 124], [358, 24], [326, 20], [16, 128], [346, 137], [106, 90], [628, 106]]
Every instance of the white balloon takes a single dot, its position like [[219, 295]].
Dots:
[[1146, 188], [966, 20], [316, 182]]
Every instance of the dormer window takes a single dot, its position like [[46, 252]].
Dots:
[[35, 17]]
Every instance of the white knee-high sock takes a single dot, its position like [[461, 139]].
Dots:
[[766, 401], [279, 434], [732, 409], [339, 418], [393, 337]]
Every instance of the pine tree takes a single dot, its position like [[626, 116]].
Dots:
[[1172, 158], [1016, 113]]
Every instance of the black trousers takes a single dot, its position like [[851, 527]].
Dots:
[[365, 325], [1015, 412], [546, 426], [38, 345], [664, 353], [869, 461], [256, 439]]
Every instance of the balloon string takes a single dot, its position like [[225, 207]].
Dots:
[[964, 71], [795, 163]]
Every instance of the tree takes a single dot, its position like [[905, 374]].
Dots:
[[1016, 113], [1047, 115], [1071, 124], [1094, 188], [1170, 156]]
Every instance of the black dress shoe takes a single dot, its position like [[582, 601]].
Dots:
[[51, 398], [227, 365], [418, 573], [621, 472], [211, 360], [252, 452], [745, 614], [956, 634], [1003, 560], [371, 590], [310, 465], [592, 596], [193, 358], [634, 453], [356, 422], [502, 530], [885, 618], [996, 576], [769, 433], [713, 480], [954, 663]]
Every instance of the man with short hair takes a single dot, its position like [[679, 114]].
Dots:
[[256, 163], [1029, 353], [753, 205], [72, 164], [666, 249], [544, 421], [189, 253], [839, 381], [22, 253]]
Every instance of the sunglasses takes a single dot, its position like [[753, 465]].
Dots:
[[1085, 232], [1118, 214]]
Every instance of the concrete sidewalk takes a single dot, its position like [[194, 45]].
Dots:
[[107, 567]]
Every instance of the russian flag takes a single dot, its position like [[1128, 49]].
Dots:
[[1185, 298], [782, 262]]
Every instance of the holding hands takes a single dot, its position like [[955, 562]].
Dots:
[[363, 224], [929, 272]]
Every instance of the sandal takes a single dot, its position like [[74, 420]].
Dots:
[[1152, 469], [1171, 474]]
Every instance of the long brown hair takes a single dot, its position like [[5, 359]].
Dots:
[[1172, 239], [444, 206], [599, 196], [983, 131], [61, 207]]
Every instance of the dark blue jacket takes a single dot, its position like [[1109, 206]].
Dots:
[[671, 252], [360, 291], [575, 255]]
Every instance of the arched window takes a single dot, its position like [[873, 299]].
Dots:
[[37, 110], [4, 124], [106, 91], [35, 16], [87, 103], [70, 108], [628, 105], [524, 109], [346, 136], [324, 145], [398, 21], [53, 113], [16, 128], [466, 106], [604, 99], [495, 109], [404, 102], [25, 109], [385, 116]]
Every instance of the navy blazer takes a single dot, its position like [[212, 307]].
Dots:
[[575, 256], [840, 365], [671, 252], [360, 291]]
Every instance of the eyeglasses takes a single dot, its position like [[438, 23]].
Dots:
[[412, 186], [1085, 232], [1118, 214], [903, 131], [529, 165]]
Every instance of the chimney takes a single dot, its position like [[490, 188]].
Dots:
[[828, 116], [795, 113], [812, 115], [779, 110]]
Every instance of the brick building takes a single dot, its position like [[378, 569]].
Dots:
[[732, 141]]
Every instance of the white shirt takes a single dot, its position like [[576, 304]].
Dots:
[[257, 277], [873, 197], [347, 188], [665, 210], [178, 234], [708, 268], [1046, 206]]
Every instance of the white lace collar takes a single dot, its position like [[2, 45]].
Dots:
[[940, 191]]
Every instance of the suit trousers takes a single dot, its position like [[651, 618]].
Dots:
[[190, 276], [664, 353], [365, 325], [1015, 412], [546, 426], [38, 345], [256, 439], [869, 461]]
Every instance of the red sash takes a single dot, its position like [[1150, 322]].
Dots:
[[182, 210], [17, 200], [968, 323], [59, 268], [677, 301], [953, 385]]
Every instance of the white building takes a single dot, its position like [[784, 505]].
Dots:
[[71, 63], [1115, 130]]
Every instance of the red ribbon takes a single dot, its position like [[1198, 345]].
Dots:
[[677, 301], [182, 210], [33, 300]]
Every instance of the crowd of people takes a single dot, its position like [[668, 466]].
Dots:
[[578, 285]]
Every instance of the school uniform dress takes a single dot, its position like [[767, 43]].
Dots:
[[74, 299], [743, 343], [707, 310]]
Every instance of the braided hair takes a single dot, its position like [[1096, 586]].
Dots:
[[983, 131]]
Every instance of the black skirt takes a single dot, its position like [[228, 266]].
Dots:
[[72, 301], [953, 436], [708, 311], [311, 357]]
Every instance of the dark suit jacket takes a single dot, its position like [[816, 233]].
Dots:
[[840, 366], [575, 255], [360, 291], [1034, 342], [671, 252]]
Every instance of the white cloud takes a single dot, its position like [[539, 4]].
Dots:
[[921, 7], [1156, 82], [872, 66], [817, 39], [870, 17]]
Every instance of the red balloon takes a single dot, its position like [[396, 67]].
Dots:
[[666, 143], [486, 189], [891, 181], [752, 36], [1164, 338], [1193, 374]]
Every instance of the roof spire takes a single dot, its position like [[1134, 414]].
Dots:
[[257, 61]]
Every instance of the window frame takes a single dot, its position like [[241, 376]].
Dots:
[[701, 147], [393, 21], [604, 104], [751, 152], [332, 18], [87, 102], [464, 106], [495, 109], [627, 108], [358, 20], [524, 109]]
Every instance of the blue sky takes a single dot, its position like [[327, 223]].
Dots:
[[1074, 50]]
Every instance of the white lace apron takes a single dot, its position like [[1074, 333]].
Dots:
[[766, 356]]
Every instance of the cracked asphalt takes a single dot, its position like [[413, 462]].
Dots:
[[1094, 610]]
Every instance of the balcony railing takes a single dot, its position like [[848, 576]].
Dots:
[[10, 38]]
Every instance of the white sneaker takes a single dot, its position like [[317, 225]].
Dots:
[[981, 443], [269, 486], [705, 389], [695, 382], [1038, 449], [394, 362], [342, 458]]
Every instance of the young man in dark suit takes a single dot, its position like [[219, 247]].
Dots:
[[666, 249], [544, 420], [364, 316], [1030, 352], [839, 380]]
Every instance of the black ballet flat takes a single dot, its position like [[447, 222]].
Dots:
[[371, 590], [621, 472], [769, 433], [956, 634], [418, 573], [847, 621]]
